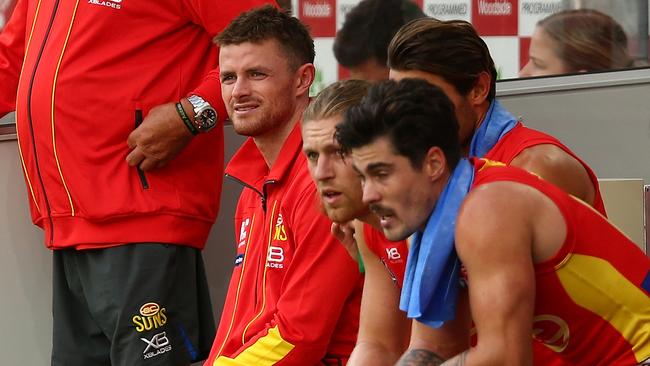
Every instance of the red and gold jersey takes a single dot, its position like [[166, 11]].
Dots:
[[593, 297], [392, 254], [521, 138]]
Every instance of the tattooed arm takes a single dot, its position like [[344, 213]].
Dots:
[[432, 346], [420, 357]]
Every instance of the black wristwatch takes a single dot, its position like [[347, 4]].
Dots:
[[205, 117]]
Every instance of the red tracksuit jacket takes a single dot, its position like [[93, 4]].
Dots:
[[91, 69], [295, 293]]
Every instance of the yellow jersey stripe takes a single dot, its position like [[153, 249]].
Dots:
[[631, 317], [267, 351]]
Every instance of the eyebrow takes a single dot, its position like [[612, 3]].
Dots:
[[375, 166], [257, 68], [372, 167], [223, 74]]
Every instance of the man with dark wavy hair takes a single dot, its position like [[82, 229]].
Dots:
[[452, 56]]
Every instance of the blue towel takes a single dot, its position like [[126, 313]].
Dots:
[[431, 281]]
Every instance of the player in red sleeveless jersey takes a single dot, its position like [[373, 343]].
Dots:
[[540, 263], [452, 56]]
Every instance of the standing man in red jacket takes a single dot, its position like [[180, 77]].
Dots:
[[116, 103], [295, 293]]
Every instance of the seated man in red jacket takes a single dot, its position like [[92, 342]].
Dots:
[[295, 293], [539, 262]]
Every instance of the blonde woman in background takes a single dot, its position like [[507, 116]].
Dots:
[[573, 41]]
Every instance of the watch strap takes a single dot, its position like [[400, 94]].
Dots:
[[186, 119]]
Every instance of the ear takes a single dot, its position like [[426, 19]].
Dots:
[[481, 89], [304, 78], [435, 163]]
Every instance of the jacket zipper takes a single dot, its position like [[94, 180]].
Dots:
[[263, 198], [262, 195], [143, 178], [29, 118]]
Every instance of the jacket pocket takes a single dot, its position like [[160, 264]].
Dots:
[[143, 177]]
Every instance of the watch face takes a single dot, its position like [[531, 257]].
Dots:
[[208, 119]]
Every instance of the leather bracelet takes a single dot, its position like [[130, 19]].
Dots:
[[186, 119]]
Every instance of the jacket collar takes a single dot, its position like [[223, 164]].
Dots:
[[249, 167]]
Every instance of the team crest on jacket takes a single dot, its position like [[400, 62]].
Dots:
[[280, 233]]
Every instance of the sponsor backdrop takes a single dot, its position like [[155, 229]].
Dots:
[[505, 25]]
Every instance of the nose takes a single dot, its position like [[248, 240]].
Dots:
[[323, 169], [526, 70], [370, 192], [240, 88]]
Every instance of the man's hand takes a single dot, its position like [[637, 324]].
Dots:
[[345, 234], [161, 136]]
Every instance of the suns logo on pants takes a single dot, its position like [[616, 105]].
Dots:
[[152, 316]]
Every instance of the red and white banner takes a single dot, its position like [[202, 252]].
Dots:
[[505, 25]]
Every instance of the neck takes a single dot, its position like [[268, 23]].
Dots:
[[271, 143], [436, 191], [481, 112]]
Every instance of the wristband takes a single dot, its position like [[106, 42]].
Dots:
[[186, 119]]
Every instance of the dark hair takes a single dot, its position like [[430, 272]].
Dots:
[[449, 49], [369, 27], [267, 22], [336, 99], [586, 39], [413, 114]]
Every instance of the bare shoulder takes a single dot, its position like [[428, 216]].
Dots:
[[545, 155], [507, 198], [505, 216], [493, 211], [558, 167]]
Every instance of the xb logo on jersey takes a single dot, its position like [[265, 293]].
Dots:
[[393, 254], [115, 4], [275, 257]]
